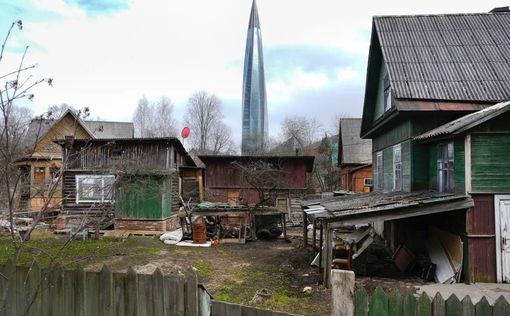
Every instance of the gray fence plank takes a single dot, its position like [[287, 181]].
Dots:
[[468, 309], [174, 296], [145, 297], [105, 292], [69, 292], [131, 291], [501, 307], [220, 308], [10, 297], [248, 311], [438, 306], [157, 290], [191, 286], [92, 307], [35, 285], [119, 294]]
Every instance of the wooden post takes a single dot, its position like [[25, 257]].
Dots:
[[305, 231], [198, 174], [314, 231], [320, 247], [342, 292]]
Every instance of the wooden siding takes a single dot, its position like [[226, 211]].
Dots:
[[388, 169], [419, 167], [353, 178], [131, 157], [392, 137], [490, 163], [432, 170], [406, 165], [388, 166], [481, 248], [68, 126]]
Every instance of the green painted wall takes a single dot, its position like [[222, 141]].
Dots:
[[420, 166], [405, 148], [392, 137], [432, 166], [388, 169], [144, 197], [490, 162], [406, 165], [379, 101]]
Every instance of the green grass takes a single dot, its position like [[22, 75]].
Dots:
[[204, 268], [42, 248]]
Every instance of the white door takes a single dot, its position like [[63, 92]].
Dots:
[[502, 204]]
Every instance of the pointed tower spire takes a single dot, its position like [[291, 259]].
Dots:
[[254, 116]]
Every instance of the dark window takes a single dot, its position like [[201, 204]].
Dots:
[[116, 153], [367, 182], [445, 168], [387, 93]]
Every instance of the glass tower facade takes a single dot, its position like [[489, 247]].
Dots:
[[255, 127]]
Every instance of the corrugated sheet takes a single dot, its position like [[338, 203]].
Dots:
[[470, 54], [354, 149], [466, 121]]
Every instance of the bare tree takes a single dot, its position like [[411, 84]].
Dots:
[[302, 129], [204, 117], [155, 119], [56, 111]]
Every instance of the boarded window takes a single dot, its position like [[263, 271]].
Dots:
[[445, 169], [39, 173], [94, 188], [397, 168], [379, 171]]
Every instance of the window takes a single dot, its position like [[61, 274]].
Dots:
[[445, 169], [94, 188], [387, 93], [367, 182], [39, 173], [397, 168], [379, 171]]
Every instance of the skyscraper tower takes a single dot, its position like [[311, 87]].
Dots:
[[255, 118]]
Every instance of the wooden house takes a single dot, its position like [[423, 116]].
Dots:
[[42, 159], [137, 181], [227, 181], [354, 157], [424, 73]]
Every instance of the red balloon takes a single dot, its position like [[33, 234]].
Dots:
[[185, 132]]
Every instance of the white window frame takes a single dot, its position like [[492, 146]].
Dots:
[[379, 170], [78, 178], [397, 167], [446, 166], [368, 182], [386, 92]]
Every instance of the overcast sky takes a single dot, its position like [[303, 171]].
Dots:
[[106, 54]]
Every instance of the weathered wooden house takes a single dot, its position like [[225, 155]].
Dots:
[[227, 178], [440, 140], [137, 181], [354, 157], [427, 71], [42, 160]]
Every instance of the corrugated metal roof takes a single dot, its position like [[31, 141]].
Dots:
[[466, 122], [366, 207], [461, 57], [354, 149]]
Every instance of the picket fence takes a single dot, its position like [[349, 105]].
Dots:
[[58, 292], [383, 304]]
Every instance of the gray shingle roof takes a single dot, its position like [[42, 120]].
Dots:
[[354, 149], [102, 129], [463, 57], [466, 122]]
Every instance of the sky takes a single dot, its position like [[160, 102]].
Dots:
[[107, 54]]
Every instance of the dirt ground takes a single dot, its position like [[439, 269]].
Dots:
[[235, 272]]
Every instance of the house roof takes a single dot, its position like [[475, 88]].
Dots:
[[106, 129], [353, 149], [247, 158], [375, 206], [466, 122], [462, 57], [38, 128]]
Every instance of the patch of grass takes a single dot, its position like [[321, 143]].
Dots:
[[153, 250], [204, 267], [223, 297]]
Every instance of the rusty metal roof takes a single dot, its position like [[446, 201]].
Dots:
[[457, 57], [466, 122], [375, 206]]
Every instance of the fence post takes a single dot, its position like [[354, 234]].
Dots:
[[342, 292]]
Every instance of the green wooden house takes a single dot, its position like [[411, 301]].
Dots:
[[136, 181], [432, 85]]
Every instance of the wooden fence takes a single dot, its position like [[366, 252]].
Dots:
[[38, 292], [35, 291], [381, 303]]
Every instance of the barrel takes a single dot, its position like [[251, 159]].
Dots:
[[199, 233]]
